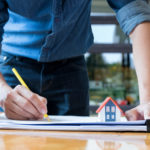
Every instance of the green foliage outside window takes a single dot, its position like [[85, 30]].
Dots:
[[111, 80]]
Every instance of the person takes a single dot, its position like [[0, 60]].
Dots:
[[46, 41], [134, 19]]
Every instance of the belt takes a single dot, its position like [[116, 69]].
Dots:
[[29, 60]]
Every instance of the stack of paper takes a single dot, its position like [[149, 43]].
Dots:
[[74, 123]]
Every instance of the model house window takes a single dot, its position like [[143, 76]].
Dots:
[[108, 117], [107, 109], [112, 116], [113, 109]]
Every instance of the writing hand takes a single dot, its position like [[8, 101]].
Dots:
[[23, 104]]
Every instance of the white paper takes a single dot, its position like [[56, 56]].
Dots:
[[72, 123]]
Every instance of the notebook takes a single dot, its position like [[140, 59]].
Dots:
[[75, 123]]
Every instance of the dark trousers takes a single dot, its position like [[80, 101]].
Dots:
[[64, 83]]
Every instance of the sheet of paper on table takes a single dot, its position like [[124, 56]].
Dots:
[[73, 123]]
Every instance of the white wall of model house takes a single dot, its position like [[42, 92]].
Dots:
[[101, 114]]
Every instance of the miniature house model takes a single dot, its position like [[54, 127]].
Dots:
[[109, 111]]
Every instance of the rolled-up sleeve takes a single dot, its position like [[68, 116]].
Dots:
[[130, 13], [3, 16]]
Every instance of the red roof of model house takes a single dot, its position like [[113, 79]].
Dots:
[[106, 101]]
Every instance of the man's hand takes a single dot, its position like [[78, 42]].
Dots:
[[22, 104], [141, 52], [140, 112]]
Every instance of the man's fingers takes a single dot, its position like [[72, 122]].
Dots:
[[12, 115], [140, 112], [38, 102], [146, 115], [18, 111], [144, 110], [147, 112], [131, 115], [43, 99], [23, 103], [134, 114]]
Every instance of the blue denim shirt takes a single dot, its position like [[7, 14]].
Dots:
[[52, 30], [130, 13]]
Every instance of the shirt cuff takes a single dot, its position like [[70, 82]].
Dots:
[[133, 14]]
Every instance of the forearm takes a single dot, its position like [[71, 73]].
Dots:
[[141, 52], [4, 89]]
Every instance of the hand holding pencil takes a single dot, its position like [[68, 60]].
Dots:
[[22, 104], [24, 84]]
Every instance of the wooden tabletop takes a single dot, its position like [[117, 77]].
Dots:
[[52, 140]]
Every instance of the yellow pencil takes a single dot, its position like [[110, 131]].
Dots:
[[25, 85]]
